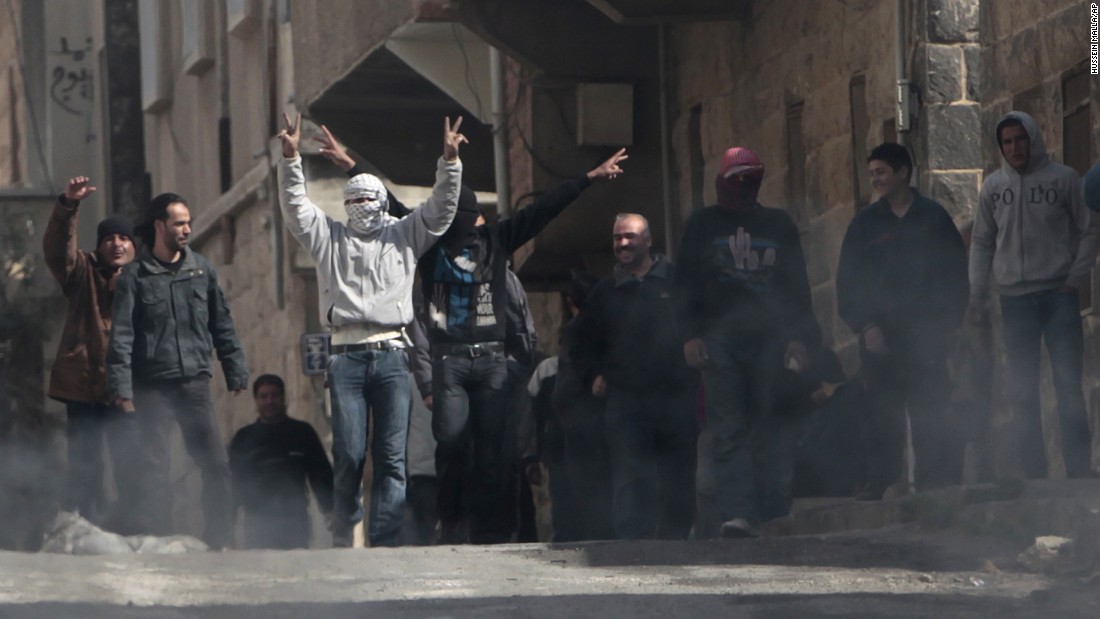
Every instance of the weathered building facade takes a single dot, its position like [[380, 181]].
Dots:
[[548, 91]]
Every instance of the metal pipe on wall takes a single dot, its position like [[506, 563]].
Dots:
[[500, 132], [666, 178]]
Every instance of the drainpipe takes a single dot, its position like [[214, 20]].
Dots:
[[666, 179], [500, 133], [902, 100]]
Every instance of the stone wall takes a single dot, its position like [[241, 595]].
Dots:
[[947, 76], [13, 134]]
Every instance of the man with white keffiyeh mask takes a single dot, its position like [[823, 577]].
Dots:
[[366, 203], [365, 273]]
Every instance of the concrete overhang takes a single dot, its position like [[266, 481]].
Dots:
[[634, 12], [389, 108]]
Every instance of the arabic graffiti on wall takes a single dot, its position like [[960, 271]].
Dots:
[[71, 87]]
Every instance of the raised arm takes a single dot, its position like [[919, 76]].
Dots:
[[59, 242], [302, 217], [530, 220], [332, 150], [432, 219]]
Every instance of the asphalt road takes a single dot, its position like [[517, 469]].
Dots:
[[896, 572]]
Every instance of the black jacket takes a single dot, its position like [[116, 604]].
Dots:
[[271, 462], [627, 333], [718, 293], [166, 325], [907, 274], [496, 244], [520, 341]]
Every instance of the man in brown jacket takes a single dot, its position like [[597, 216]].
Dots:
[[79, 373]]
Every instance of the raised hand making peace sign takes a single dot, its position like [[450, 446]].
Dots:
[[452, 138], [290, 136]]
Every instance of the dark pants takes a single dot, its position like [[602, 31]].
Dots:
[[1051, 317], [89, 424], [264, 529], [420, 511], [652, 439], [188, 403], [468, 421], [752, 448], [585, 513], [896, 382]]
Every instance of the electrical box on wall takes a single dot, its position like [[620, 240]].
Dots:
[[605, 114]]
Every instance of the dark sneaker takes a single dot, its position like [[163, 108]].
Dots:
[[739, 528], [870, 493], [342, 537]]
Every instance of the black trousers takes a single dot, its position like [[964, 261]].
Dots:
[[90, 425], [187, 403], [469, 422], [896, 382]]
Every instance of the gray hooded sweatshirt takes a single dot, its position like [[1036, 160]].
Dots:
[[366, 280], [1031, 230]]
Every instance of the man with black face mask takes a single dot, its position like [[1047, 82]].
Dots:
[[464, 284], [745, 314]]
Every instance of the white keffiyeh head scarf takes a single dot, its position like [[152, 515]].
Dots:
[[366, 202]]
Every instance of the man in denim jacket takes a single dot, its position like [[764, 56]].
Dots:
[[168, 319]]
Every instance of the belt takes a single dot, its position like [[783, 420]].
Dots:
[[343, 349], [472, 351]]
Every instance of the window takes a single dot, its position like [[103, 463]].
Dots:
[[890, 130], [242, 17], [1076, 141], [155, 81], [1030, 102], [1076, 129], [695, 152], [796, 167], [197, 40], [861, 185]]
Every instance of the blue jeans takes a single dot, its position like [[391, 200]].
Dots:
[[1052, 317], [753, 448], [377, 381], [651, 436]]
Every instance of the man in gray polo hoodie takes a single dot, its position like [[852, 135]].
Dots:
[[1034, 234]]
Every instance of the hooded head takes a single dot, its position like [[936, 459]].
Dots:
[[739, 179], [365, 200], [463, 230], [1020, 142], [1092, 188]]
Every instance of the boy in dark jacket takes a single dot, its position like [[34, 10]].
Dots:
[[901, 286]]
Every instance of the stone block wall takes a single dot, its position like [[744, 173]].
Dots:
[[947, 76]]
